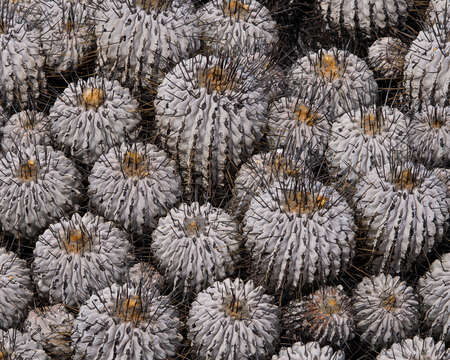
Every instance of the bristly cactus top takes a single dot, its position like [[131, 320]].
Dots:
[[210, 113], [309, 351], [139, 39], [126, 322], [133, 185], [38, 185], [233, 320], [416, 348], [93, 115], [78, 256], [298, 234], [196, 246], [15, 289], [404, 208], [342, 77], [22, 64], [233, 25]]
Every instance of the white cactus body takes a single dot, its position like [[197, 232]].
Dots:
[[309, 351], [324, 316], [233, 25], [209, 115], [17, 346], [137, 40], [298, 237], [21, 66], [404, 210], [78, 256], [93, 115], [15, 289], [386, 310], [344, 79], [133, 185], [233, 320], [426, 75], [387, 56], [365, 138], [429, 135], [52, 328], [416, 348], [434, 288], [365, 17], [195, 246], [124, 322], [38, 185], [24, 129]]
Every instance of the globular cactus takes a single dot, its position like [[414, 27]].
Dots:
[[298, 234], [387, 56], [404, 208], [344, 79], [38, 185], [325, 316], [78, 256], [133, 185], [434, 288], [309, 351], [233, 320], [210, 113], [386, 310], [416, 348], [16, 345], [195, 245], [15, 289], [51, 327], [93, 115], [127, 322]]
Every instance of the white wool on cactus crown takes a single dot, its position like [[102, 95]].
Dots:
[[309, 351], [299, 235], [405, 208], [15, 289], [133, 185], [233, 320], [434, 288], [78, 256], [210, 112], [386, 310], [38, 185], [16, 345], [127, 322], [137, 42], [93, 115], [345, 80], [196, 246]]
